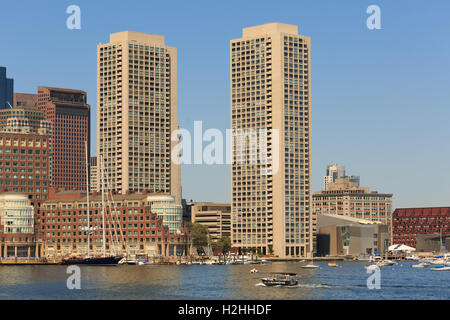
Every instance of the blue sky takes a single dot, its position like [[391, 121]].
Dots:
[[380, 98]]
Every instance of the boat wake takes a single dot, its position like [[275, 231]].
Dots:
[[305, 285]]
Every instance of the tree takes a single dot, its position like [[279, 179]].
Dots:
[[224, 243], [199, 235]]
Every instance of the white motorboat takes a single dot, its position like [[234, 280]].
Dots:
[[310, 266], [385, 263], [372, 267], [420, 265]]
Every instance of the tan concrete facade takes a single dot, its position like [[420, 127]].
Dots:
[[346, 198], [137, 113], [270, 90], [215, 216]]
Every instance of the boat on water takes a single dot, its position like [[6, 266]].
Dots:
[[333, 265], [373, 266], [385, 263], [281, 279], [104, 261], [440, 268], [89, 259], [254, 270], [420, 265], [442, 260], [310, 266]]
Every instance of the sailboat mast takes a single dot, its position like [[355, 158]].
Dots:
[[103, 205], [87, 199]]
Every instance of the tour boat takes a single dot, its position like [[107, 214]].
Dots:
[[281, 279]]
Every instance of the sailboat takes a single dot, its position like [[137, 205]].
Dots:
[[445, 265], [88, 259], [311, 265]]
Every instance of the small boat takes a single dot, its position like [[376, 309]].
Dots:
[[440, 268], [332, 265], [372, 267], [310, 266], [385, 263], [254, 270], [281, 279], [420, 265]]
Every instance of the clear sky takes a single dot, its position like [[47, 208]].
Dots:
[[380, 98]]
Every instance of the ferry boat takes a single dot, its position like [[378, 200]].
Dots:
[[281, 279]]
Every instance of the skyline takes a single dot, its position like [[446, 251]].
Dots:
[[395, 165]]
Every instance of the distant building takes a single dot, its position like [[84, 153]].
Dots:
[[187, 210], [25, 153], [215, 216], [408, 223], [335, 171], [25, 100], [6, 90], [341, 236], [132, 225], [345, 198], [93, 174], [17, 232], [69, 113]]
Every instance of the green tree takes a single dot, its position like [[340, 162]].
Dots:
[[224, 243], [199, 235]]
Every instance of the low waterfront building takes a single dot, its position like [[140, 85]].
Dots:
[[432, 242], [408, 223], [343, 236], [17, 233], [170, 213], [131, 223], [215, 216]]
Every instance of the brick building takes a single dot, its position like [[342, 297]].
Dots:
[[70, 116], [407, 223], [130, 225]]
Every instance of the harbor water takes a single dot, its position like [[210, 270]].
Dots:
[[177, 282]]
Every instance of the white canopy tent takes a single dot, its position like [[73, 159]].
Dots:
[[401, 247]]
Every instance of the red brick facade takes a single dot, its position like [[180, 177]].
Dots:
[[70, 116], [64, 222], [407, 223]]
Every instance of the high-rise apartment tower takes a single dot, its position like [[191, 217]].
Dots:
[[137, 113], [271, 92]]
